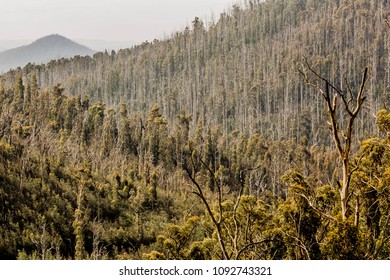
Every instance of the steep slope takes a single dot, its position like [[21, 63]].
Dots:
[[240, 73], [41, 51]]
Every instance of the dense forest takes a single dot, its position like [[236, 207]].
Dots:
[[264, 134]]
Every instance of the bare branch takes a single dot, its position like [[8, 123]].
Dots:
[[299, 244], [216, 223], [311, 84], [360, 98], [339, 91], [343, 148], [242, 250], [218, 188]]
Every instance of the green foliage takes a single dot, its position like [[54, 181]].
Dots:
[[383, 120], [177, 242], [65, 199], [342, 242], [300, 222], [82, 177]]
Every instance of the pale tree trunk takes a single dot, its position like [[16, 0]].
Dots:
[[342, 138], [344, 190]]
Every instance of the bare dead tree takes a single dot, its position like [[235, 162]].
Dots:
[[342, 137], [42, 242], [217, 221], [98, 249]]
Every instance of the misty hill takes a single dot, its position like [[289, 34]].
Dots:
[[41, 51]]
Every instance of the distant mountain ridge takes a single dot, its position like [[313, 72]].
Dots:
[[42, 51]]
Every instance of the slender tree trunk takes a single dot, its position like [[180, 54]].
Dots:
[[344, 189], [342, 138]]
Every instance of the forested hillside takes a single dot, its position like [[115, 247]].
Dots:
[[241, 71], [253, 137]]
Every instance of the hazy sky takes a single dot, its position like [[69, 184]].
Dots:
[[123, 20]]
